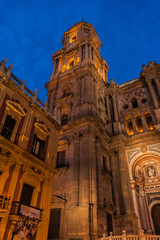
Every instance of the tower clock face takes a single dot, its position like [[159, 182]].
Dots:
[[72, 44]]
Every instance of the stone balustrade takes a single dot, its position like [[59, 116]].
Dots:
[[124, 236]]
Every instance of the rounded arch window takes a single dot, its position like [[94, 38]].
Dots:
[[139, 124], [64, 120], [129, 127], [149, 121], [134, 103], [74, 38]]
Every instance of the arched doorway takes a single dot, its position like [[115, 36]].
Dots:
[[156, 218]]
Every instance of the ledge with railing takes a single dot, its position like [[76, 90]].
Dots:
[[124, 236], [19, 208], [27, 91]]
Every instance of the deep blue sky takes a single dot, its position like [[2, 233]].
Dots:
[[31, 31]]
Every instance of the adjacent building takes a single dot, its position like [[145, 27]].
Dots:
[[108, 158], [28, 149]]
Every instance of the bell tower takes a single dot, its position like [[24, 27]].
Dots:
[[75, 91], [83, 204]]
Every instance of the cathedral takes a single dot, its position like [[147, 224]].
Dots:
[[86, 163], [108, 156]]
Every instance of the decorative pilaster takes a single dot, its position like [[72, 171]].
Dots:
[[115, 108], [153, 96], [144, 123], [75, 169], [115, 180], [124, 181], [84, 169], [108, 109], [134, 125], [145, 208]]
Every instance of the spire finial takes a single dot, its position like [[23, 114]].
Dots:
[[82, 19]]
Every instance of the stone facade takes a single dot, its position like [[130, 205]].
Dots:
[[28, 148], [108, 158]]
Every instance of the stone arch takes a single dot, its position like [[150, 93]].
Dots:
[[145, 173], [151, 207]]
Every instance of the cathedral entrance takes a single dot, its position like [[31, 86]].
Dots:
[[156, 218]]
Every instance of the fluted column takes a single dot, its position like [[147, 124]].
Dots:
[[51, 102], [153, 96], [99, 172], [136, 204], [93, 174], [115, 180], [75, 172], [86, 51], [124, 181], [115, 108], [158, 85], [144, 123], [134, 125], [108, 109], [145, 208], [84, 170]]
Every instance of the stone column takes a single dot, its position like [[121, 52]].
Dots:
[[51, 102], [84, 169], [136, 204], [134, 125], [153, 96], [86, 51], [115, 180], [145, 208], [99, 171], [108, 109], [75, 172], [93, 164], [115, 108], [128, 204], [157, 84], [144, 123]]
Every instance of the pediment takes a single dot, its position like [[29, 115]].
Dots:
[[42, 128], [16, 107]]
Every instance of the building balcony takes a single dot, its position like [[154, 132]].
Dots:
[[19, 209]]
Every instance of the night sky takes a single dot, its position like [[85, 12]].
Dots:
[[32, 30]]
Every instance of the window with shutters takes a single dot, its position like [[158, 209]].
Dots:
[[38, 147], [8, 127]]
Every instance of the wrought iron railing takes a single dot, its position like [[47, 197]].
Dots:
[[19, 208]]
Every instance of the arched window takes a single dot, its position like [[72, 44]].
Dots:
[[149, 121], [71, 64], [155, 89], [74, 38], [64, 120], [134, 103], [139, 124], [129, 127]]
